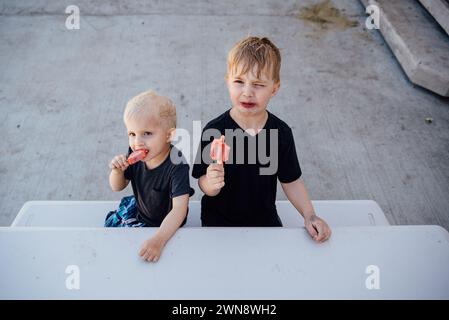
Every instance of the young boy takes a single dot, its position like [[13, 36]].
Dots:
[[161, 188], [241, 192]]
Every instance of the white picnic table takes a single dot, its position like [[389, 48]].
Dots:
[[51, 242], [226, 263]]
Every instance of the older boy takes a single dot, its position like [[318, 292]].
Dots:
[[161, 188], [242, 193]]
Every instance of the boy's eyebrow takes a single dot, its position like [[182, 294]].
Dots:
[[256, 80], [143, 130]]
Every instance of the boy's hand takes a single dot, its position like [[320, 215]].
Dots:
[[317, 228], [151, 249], [119, 163], [215, 176]]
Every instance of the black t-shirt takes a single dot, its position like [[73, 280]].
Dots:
[[155, 188], [248, 197]]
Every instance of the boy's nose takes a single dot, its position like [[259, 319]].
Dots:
[[247, 91], [138, 141]]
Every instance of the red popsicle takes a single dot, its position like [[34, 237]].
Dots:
[[219, 150], [137, 155]]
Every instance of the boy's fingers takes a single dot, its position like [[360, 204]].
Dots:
[[322, 233], [213, 172], [311, 230], [213, 177], [146, 255], [327, 235], [220, 179], [319, 231], [153, 258], [216, 167], [123, 165], [218, 182], [217, 174], [119, 162]]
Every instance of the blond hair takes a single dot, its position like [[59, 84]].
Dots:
[[149, 103], [256, 52]]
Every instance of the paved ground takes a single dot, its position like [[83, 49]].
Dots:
[[359, 124]]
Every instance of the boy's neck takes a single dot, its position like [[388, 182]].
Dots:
[[157, 161], [251, 123]]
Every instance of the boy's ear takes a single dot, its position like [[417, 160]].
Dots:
[[171, 134], [276, 87]]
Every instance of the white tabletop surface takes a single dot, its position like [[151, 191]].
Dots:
[[226, 263]]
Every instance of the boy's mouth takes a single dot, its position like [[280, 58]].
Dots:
[[247, 105]]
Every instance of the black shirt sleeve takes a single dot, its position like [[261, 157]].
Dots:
[[180, 184], [289, 169]]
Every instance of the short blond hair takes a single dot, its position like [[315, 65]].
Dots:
[[150, 103], [256, 52]]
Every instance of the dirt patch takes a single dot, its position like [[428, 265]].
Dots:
[[326, 15], [364, 35]]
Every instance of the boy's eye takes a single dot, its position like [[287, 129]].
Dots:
[[259, 85], [131, 134], [238, 81], [148, 133]]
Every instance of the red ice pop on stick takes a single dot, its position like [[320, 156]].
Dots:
[[219, 150], [137, 155]]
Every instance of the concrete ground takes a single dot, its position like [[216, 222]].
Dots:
[[359, 124]]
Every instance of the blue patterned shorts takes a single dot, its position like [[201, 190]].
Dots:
[[125, 215]]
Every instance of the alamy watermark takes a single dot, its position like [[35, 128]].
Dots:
[[72, 282], [372, 282], [73, 20], [245, 149], [373, 20]]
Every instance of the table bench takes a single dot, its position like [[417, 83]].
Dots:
[[92, 213]]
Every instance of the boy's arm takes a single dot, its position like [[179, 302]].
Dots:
[[296, 192], [152, 248], [117, 180]]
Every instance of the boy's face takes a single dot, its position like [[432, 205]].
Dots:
[[249, 94], [146, 132]]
